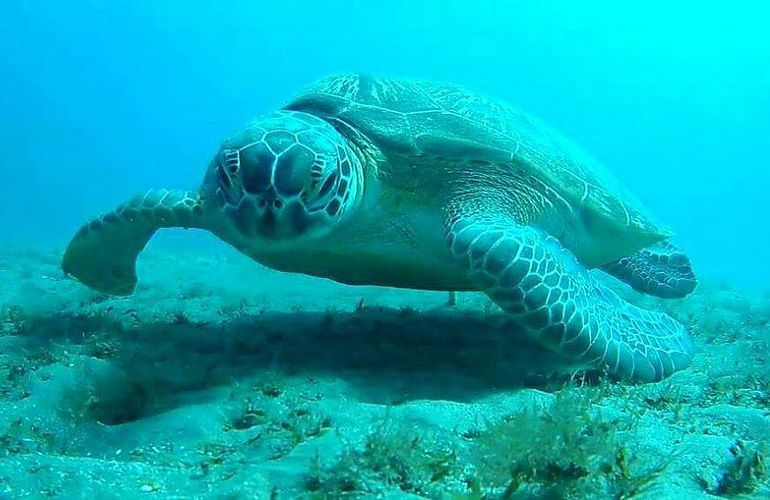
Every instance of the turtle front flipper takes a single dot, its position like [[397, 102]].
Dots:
[[103, 253], [532, 277], [661, 270]]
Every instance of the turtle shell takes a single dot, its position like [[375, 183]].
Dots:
[[599, 219]]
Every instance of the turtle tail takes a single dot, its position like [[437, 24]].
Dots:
[[102, 255]]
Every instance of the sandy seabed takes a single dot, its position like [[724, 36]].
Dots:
[[219, 378]]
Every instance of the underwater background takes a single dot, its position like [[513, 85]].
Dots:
[[221, 379]]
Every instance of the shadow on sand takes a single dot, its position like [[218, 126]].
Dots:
[[385, 356]]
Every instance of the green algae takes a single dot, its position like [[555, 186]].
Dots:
[[298, 387]]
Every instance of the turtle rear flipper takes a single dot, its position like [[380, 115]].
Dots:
[[661, 270], [102, 255], [532, 277]]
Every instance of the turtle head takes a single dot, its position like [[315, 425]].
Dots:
[[286, 177]]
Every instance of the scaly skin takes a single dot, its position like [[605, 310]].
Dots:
[[103, 253], [533, 278], [661, 270], [509, 185]]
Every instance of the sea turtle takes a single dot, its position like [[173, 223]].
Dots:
[[374, 181]]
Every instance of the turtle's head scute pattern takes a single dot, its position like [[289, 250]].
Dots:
[[286, 176]]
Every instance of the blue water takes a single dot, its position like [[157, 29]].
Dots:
[[102, 99], [221, 379]]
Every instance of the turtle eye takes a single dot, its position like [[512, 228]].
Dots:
[[322, 178], [232, 160], [327, 185], [316, 172], [224, 179], [319, 195]]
